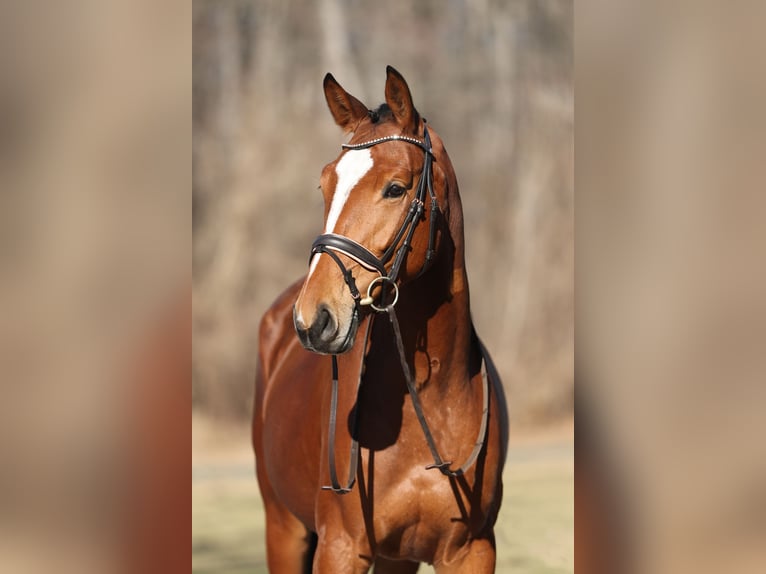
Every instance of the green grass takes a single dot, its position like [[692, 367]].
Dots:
[[534, 530]]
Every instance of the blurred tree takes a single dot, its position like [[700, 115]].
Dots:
[[493, 78]]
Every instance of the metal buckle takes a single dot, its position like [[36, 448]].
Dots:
[[338, 490], [369, 299]]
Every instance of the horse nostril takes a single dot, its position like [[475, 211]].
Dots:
[[324, 327], [300, 326]]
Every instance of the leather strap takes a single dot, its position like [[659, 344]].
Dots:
[[441, 464], [335, 485], [349, 248], [332, 244]]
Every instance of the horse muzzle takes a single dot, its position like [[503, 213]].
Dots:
[[326, 335]]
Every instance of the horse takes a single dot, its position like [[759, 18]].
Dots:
[[408, 392]]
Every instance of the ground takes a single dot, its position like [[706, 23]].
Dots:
[[534, 529]]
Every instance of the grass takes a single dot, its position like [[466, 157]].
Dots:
[[534, 530]]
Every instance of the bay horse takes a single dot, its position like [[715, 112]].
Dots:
[[400, 406]]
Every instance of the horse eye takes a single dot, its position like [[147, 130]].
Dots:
[[394, 190]]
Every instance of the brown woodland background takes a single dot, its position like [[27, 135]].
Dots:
[[493, 78]]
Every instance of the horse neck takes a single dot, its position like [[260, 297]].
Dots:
[[435, 314]]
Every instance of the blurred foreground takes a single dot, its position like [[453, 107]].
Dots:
[[95, 269], [671, 315]]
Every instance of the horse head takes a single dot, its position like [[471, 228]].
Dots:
[[378, 192]]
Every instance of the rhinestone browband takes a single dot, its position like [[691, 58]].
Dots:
[[394, 137]]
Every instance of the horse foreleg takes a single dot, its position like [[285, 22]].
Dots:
[[479, 559], [289, 544], [337, 553]]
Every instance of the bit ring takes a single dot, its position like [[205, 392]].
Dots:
[[369, 300]]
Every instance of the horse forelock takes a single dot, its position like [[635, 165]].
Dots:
[[382, 114], [381, 122]]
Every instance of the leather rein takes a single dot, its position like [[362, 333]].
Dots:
[[333, 244]]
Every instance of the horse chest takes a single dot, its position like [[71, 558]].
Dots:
[[415, 515]]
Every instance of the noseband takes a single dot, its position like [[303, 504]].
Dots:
[[332, 244]]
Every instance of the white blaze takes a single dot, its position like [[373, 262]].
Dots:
[[350, 169]]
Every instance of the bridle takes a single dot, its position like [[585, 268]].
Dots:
[[333, 244]]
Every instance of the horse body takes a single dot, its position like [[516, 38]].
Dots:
[[399, 513]]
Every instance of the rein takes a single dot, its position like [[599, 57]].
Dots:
[[333, 244]]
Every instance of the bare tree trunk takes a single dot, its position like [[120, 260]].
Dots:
[[336, 48]]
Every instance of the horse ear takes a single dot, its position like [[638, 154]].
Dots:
[[345, 108], [399, 99]]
